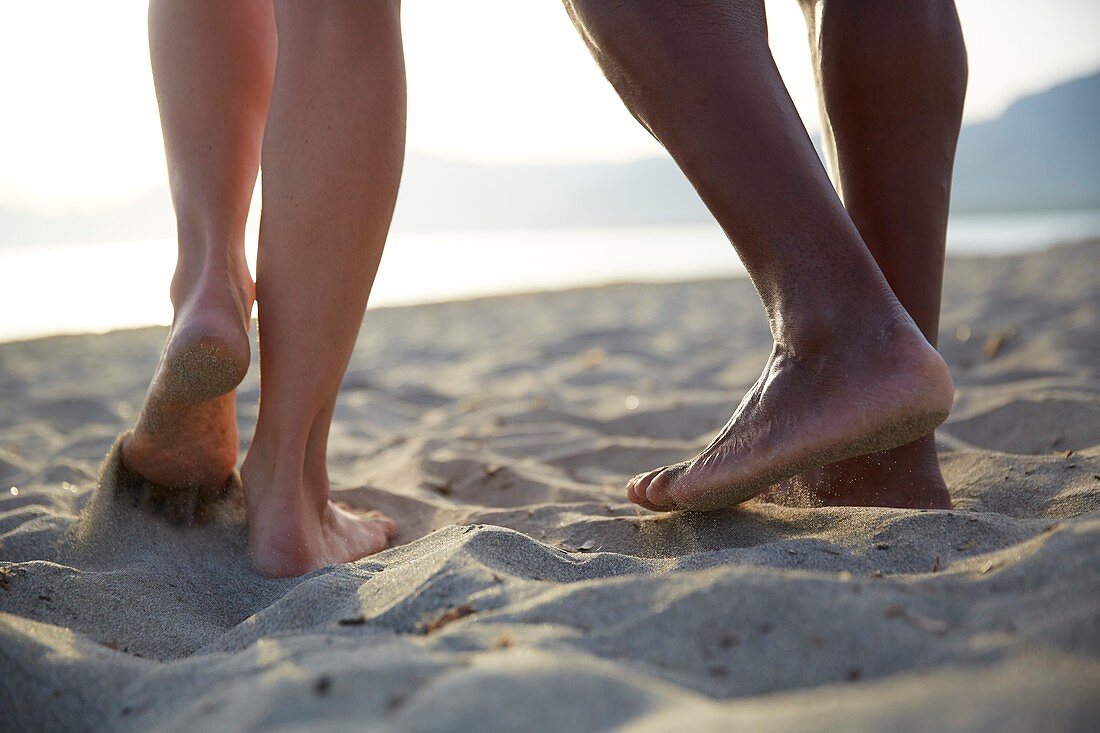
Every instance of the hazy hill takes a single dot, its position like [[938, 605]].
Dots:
[[148, 217], [438, 194], [1043, 153]]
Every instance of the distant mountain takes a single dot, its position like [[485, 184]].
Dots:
[[1043, 153], [440, 194], [147, 217]]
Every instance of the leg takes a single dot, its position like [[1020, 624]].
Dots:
[[332, 160], [212, 65], [892, 77], [850, 372]]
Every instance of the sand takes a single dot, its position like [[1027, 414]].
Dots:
[[525, 592]]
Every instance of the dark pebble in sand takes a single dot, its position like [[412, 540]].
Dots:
[[357, 621]]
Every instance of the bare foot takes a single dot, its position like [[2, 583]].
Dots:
[[906, 477], [875, 391], [293, 529], [186, 434]]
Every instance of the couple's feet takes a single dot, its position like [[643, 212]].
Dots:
[[847, 422], [186, 436]]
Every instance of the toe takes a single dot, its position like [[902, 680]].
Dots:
[[637, 485], [642, 502], [370, 526], [658, 489], [631, 495], [637, 490], [388, 525]]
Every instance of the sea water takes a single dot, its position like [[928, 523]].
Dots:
[[96, 287]]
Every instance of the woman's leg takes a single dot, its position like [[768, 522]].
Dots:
[[850, 372], [892, 78], [213, 63], [332, 158]]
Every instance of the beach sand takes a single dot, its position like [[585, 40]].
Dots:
[[524, 591]]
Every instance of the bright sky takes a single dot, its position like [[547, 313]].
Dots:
[[496, 81]]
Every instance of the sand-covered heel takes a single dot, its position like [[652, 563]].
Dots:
[[201, 372], [179, 505]]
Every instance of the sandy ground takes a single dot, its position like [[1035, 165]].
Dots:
[[525, 592]]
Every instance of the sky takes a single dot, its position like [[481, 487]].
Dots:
[[495, 81]]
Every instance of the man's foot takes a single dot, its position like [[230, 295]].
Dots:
[[294, 529], [858, 394], [906, 477], [186, 435]]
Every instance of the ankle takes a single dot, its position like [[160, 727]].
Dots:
[[279, 476], [201, 263], [807, 333]]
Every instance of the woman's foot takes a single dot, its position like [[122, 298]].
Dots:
[[293, 527], [814, 405], [906, 477], [186, 434]]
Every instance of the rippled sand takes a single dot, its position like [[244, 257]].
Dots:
[[526, 593]]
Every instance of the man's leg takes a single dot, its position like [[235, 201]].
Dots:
[[892, 77], [850, 372], [212, 64], [332, 158]]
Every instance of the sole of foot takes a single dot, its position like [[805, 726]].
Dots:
[[806, 414], [184, 443], [199, 368], [208, 352]]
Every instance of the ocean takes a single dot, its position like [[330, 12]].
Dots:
[[97, 287]]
